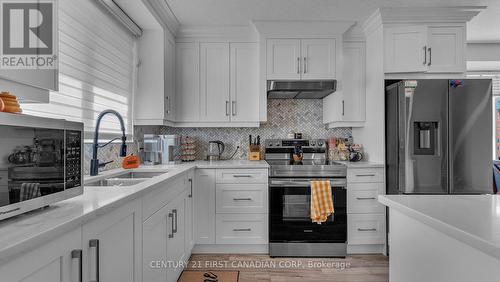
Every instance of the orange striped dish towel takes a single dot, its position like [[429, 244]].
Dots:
[[321, 200]]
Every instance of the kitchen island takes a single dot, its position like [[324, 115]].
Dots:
[[443, 237]]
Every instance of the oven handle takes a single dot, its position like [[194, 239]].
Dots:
[[273, 183]]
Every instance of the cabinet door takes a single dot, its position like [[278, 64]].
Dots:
[[214, 82], [149, 99], [187, 69], [283, 59], [244, 82], [318, 58], [169, 79], [204, 206], [446, 49], [112, 245], [163, 242], [353, 84], [176, 240], [405, 49], [51, 262]]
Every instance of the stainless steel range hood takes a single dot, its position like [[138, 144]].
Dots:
[[300, 89]]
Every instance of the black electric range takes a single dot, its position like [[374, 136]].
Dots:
[[291, 231]]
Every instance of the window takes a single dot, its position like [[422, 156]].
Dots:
[[495, 76], [96, 69]]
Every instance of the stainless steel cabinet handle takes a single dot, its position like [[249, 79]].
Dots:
[[233, 107], [367, 229], [242, 229], [365, 198], [175, 218], [227, 108], [242, 199], [241, 175], [305, 64], [298, 65], [171, 216], [368, 174], [191, 183], [425, 55], [343, 107], [430, 56], [77, 254], [168, 104], [94, 256]]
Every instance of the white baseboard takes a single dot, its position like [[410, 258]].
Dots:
[[231, 249]]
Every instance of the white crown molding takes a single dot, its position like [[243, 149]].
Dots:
[[164, 14], [421, 15], [301, 28], [233, 33], [354, 34]]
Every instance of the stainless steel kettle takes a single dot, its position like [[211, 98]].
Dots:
[[215, 150]]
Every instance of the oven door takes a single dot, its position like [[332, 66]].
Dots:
[[290, 210]]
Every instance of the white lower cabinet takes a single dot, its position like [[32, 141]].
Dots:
[[241, 228], [204, 206], [365, 215], [56, 261], [366, 229], [167, 236], [112, 245], [231, 209]]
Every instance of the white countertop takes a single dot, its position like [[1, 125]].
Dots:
[[471, 219], [29, 230]]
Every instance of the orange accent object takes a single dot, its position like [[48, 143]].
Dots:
[[2, 105], [131, 161]]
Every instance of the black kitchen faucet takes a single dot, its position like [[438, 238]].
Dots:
[[94, 163]]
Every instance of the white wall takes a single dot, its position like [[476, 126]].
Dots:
[[372, 135]]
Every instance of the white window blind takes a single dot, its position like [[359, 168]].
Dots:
[[495, 77], [96, 69]]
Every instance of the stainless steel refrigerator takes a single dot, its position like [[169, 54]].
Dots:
[[439, 137]]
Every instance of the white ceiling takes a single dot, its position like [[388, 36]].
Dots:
[[241, 12]]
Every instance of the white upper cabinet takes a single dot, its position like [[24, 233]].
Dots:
[[244, 78], [283, 59], [214, 82], [405, 49], [187, 67], [346, 107], [301, 58], [318, 58], [217, 84], [424, 49], [154, 98], [446, 49]]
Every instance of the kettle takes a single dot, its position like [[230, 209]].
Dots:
[[215, 150]]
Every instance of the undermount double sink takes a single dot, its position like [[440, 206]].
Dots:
[[127, 178]]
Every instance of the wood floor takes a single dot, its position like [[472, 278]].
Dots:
[[262, 268]]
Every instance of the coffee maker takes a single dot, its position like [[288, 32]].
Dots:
[[160, 149]]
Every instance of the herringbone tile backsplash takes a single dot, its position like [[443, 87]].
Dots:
[[284, 116]]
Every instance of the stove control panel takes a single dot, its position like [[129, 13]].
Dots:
[[291, 143]]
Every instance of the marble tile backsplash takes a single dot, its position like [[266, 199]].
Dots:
[[284, 116], [106, 154]]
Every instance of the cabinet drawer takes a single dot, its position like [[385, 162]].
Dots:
[[241, 176], [241, 198], [363, 198], [162, 195], [241, 229], [365, 229], [360, 175]]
